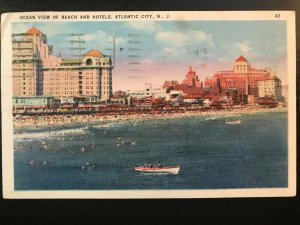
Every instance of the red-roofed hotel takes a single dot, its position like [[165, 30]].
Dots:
[[243, 77]]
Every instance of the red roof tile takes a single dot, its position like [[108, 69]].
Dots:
[[241, 59], [33, 31]]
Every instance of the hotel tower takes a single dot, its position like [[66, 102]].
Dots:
[[38, 72]]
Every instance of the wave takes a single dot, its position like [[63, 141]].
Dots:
[[53, 133], [107, 125]]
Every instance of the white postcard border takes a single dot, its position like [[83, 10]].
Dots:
[[6, 104]]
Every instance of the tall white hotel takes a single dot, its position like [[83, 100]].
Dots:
[[38, 72]]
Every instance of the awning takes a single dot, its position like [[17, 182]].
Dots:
[[67, 106], [86, 106]]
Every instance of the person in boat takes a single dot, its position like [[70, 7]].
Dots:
[[148, 164], [159, 165]]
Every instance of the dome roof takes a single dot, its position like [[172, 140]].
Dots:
[[33, 31], [94, 53], [241, 59]]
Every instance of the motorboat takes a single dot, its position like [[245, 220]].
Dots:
[[233, 122], [164, 169], [211, 118]]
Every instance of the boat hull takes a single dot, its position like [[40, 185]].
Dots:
[[233, 122], [167, 170]]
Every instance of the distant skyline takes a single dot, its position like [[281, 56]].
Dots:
[[152, 52]]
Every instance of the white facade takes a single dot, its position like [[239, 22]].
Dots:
[[270, 88], [37, 72], [147, 92]]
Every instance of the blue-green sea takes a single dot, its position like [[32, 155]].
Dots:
[[211, 154]]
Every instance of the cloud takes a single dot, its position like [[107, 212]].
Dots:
[[243, 46], [102, 41], [168, 52], [120, 40], [199, 36], [179, 39], [168, 55], [170, 37], [101, 36], [96, 36]]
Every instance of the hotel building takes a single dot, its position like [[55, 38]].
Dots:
[[148, 91], [38, 72], [191, 79], [243, 77], [270, 88]]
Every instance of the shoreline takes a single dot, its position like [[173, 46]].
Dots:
[[53, 121]]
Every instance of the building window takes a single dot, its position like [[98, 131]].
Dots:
[[89, 62]]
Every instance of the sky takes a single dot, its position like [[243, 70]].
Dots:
[[153, 52]]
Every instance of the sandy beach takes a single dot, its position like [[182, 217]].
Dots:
[[61, 120]]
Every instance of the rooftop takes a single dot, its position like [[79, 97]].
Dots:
[[241, 59], [94, 53], [33, 31]]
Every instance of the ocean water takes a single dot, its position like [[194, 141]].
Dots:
[[211, 154]]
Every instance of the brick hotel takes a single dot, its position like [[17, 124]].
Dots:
[[247, 80], [247, 84], [38, 72], [243, 77]]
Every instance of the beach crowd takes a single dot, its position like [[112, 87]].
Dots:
[[71, 119]]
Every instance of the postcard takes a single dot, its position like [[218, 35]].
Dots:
[[122, 105]]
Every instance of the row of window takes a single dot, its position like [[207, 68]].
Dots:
[[71, 93], [90, 87], [52, 88], [241, 67], [91, 92], [24, 88], [24, 93]]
